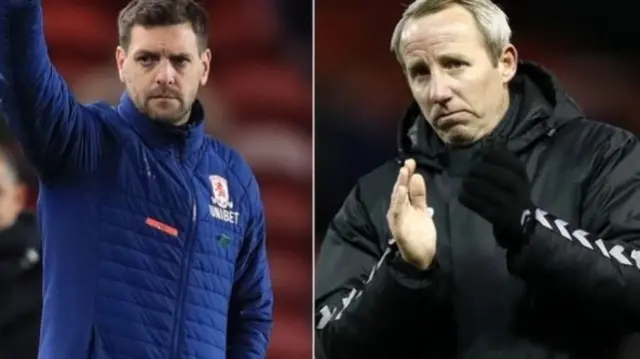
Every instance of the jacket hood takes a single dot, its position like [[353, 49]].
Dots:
[[544, 108]]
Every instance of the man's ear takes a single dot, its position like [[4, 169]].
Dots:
[[508, 63], [206, 65], [121, 56]]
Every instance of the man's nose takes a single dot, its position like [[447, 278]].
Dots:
[[166, 74], [439, 89]]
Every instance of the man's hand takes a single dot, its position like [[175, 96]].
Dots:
[[409, 220], [499, 190]]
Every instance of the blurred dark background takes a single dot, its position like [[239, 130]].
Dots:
[[259, 100], [361, 93]]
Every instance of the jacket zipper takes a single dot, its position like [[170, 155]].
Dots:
[[184, 271]]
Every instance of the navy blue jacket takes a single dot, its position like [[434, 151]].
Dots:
[[154, 236]]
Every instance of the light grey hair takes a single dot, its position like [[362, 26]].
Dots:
[[491, 20]]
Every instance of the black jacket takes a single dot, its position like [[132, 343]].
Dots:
[[565, 295], [20, 289]]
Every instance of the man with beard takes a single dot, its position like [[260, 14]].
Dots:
[[20, 267], [154, 233], [509, 224]]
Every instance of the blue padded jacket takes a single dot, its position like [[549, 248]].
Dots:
[[154, 236]]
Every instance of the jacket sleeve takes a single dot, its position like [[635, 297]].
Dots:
[[365, 297], [57, 133], [598, 266], [251, 310]]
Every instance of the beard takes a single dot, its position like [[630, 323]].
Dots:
[[163, 105], [169, 110]]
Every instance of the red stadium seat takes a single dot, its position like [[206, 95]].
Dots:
[[259, 91]]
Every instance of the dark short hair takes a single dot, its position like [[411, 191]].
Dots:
[[154, 13]]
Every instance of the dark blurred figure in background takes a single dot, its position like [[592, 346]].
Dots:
[[20, 267]]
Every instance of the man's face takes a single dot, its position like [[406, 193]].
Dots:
[[163, 70], [12, 196], [460, 91]]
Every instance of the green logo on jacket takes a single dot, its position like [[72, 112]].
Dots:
[[224, 240]]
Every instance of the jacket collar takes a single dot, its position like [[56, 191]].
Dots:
[[187, 138]]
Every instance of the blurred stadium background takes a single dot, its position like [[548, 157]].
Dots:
[[259, 100], [361, 94]]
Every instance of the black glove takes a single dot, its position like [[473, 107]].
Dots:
[[498, 189]]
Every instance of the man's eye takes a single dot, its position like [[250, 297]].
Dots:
[[145, 59], [181, 62], [419, 71], [455, 64]]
